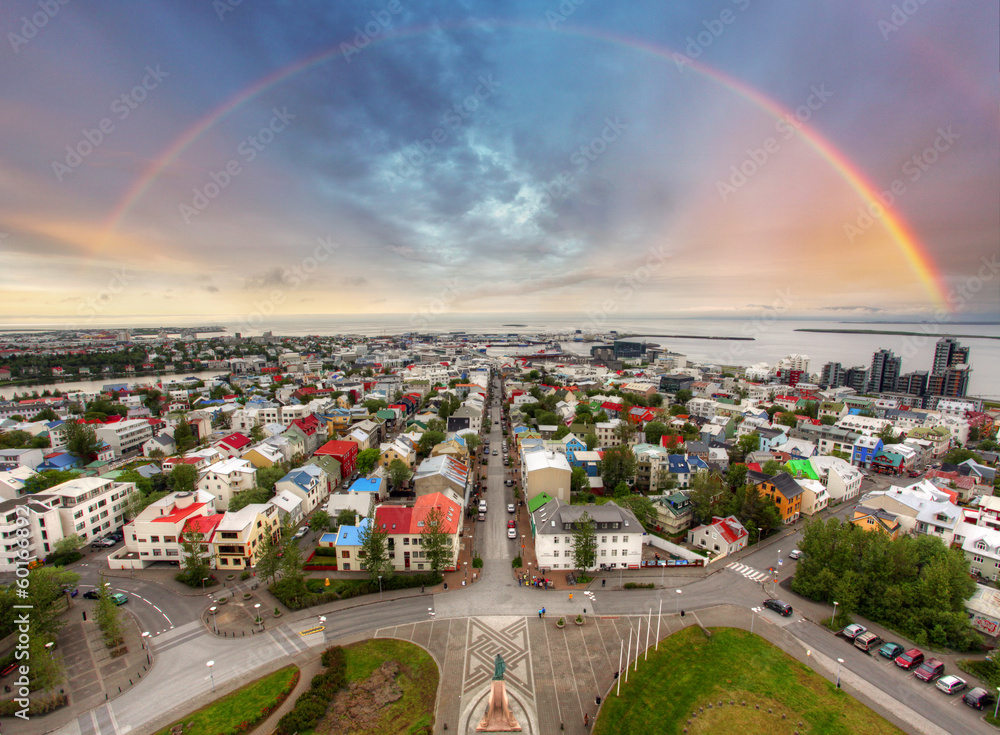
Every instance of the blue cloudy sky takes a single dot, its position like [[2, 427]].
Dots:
[[193, 158]]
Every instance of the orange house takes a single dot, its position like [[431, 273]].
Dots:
[[786, 494], [876, 520]]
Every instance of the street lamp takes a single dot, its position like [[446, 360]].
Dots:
[[834, 621], [211, 674], [839, 662], [466, 569], [996, 710], [203, 580], [678, 601], [753, 616], [380, 586], [145, 640], [260, 620], [214, 610]]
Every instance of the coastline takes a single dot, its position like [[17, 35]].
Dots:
[[895, 332]]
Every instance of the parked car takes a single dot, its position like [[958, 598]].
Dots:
[[116, 536], [794, 554], [891, 651], [778, 606], [930, 670], [512, 533], [511, 523], [508, 483], [852, 631], [510, 508], [301, 532], [482, 516], [978, 698], [950, 684], [910, 659], [916, 474], [867, 641], [494, 452], [101, 543], [119, 598], [91, 595]]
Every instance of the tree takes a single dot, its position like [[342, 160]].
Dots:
[[436, 541], [771, 467], [704, 492], [591, 441], [745, 445], [438, 425], [46, 595], [736, 476], [268, 560], [46, 414], [621, 491], [48, 478], [248, 497], [655, 400], [291, 563], [429, 440], [472, 442], [655, 430], [81, 441], [320, 520], [373, 405], [641, 506], [584, 542], [399, 473], [47, 671], [195, 561], [107, 614], [267, 477], [256, 434], [374, 549], [346, 517], [625, 432], [578, 481], [828, 420], [618, 465], [665, 480], [888, 436], [682, 396], [562, 431], [787, 418], [68, 544], [183, 478], [959, 455], [184, 437], [367, 459]]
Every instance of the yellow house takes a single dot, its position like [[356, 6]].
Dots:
[[239, 537], [876, 520], [452, 448], [398, 450], [786, 494], [263, 455]]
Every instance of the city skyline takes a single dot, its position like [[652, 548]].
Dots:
[[369, 158]]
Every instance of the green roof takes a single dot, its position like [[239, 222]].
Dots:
[[538, 501], [386, 413], [804, 466]]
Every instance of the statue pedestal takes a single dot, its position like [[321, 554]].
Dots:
[[498, 717]]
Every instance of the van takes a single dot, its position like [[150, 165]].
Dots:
[[868, 641]]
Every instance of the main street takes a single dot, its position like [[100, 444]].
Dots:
[[180, 679]]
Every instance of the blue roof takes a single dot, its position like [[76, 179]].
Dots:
[[351, 535], [367, 485]]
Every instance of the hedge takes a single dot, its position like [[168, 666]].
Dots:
[[311, 706], [324, 551], [298, 594]]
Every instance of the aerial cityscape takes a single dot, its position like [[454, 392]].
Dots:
[[545, 366]]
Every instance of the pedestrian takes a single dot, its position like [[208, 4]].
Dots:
[[571, 597], [543, 612], [518, 581], [586, 719], [603, 582], [540, 614]]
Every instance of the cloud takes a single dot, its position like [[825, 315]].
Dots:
[[354, 280], [210, 289], [271, 277]]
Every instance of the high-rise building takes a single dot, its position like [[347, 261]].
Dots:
[[948, 353], [833, 375], [914, 384], [857, 378], [625, 349], [884, 372], [950, 374]]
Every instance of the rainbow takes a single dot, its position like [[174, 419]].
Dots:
[[906, 241]]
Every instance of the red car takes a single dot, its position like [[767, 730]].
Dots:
[[909, 659], [511, 523]]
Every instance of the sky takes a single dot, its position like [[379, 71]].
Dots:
[[172, 159]]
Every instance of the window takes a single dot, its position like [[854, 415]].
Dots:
[[556, 553], [154, 539], [614, 539], [555, 539], [624, 552], [604, 552], [406, 541], [157, 552], [604, 539], [614, 552], [624, 539]]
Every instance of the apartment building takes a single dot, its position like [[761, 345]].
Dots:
[[92, 506], [618, 534], [126, 436], [226, 478], [239, 536], [39, 515]]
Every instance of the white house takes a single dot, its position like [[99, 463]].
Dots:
[[618, 535], [226, 478], [125, 436], [723, 536]]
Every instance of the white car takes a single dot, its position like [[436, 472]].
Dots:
[[794, 554], [510, 508], [511, 533], [301, 532]]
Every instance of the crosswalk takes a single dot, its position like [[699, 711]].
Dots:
[[748, 572]]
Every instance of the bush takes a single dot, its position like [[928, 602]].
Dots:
[[986, 671], [245, 574], [311, 706], [325, 551], [638, 585], [63, 559], [477, 562], [516, 564], [299, 594], [195, 580]]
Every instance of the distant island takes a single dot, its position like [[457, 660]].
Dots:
[[513, 325], [900, 332]]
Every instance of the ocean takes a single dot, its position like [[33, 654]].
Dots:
[[773, 337]]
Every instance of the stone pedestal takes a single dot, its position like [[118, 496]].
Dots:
[[498, 717]]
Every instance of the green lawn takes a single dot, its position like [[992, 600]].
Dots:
[[418, 679], [691, 671], [239, 711]]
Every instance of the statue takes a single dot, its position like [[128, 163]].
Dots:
[[498, 717], [498, 668]]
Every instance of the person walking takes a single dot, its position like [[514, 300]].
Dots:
[[540, 611], [603, 581], [543, 612], [571, 597], [586, 719]]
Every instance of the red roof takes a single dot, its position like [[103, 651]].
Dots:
[[608, 405], [669, 442], [179, 514], [236, 440], [204, 524], [337, 448], [730, 532], [393, 518]]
